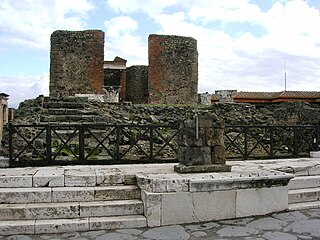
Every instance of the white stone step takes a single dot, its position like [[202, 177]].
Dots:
[[68, 194], [70, 225], [304, 205], [304, 195], [304, 182], [70, 210]]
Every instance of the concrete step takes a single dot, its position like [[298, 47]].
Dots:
[[68, 194], [304, 182], [68, 111], [304, 205], [304, 195], [68, 210], [70, 225], [64, 104]]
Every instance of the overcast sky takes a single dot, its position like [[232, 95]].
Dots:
[[242, 44]]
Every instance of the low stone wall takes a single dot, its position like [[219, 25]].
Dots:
[[178, 199]]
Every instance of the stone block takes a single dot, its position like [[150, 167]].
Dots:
[[180, 168], [80, 178], [61, 225], [109, 176], [315, 154], [116, 193], [217, 205], [25, 195], [110, 208], [102, 223], [261, 201], [304, 195], [152, 208], [17, 227], [4, 162], [304, 182], [18, 181], [75, 194], [49, 178], [12, 211], [52, 210], [177, 208]]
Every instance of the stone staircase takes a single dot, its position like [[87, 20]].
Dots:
[[304, 192], [70, 110], [58, 200]]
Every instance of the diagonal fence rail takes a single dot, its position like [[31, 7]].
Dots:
[[91, 144], [262, 142], [40, 145]]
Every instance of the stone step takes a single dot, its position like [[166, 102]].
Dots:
[[304, 195], [41, 226], [74, 118], [304, 182], [68, 111], [304, 205], [68, 194], [64, 104], [68, 210]]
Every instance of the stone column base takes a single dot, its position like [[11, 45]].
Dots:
[[181, 168]]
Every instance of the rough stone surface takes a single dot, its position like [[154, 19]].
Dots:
[[76, 62], [137, 84], [173, 69]]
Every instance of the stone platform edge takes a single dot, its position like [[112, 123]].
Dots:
[[189, 198]]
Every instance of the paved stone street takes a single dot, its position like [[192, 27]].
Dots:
[[303, 224]]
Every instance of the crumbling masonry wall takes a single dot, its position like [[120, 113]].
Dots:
[[173, 69], [76, 62], [137, 84]]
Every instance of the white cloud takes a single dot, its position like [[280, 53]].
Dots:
[[123, 41], [21, 87], [29, 23], [147, 6]]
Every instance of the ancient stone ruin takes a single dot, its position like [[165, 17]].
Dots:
[[173, 69], [76, 62], [202, 145]]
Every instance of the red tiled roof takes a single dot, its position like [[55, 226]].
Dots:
[[277, 95]]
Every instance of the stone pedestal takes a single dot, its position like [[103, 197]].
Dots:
[[202, 145]]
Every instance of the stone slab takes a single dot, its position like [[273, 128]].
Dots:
[[109, 176], [111, 208], [17, 227], [180, 168], [73, 194], [116, 193], [25, 195], [261, 201], [152, 208], [315, 154], [52, 210], [304, 182], [304, 195], [61, 225], [80, 178], [12, 211], [102, 223], [18, 181], [49, 178]]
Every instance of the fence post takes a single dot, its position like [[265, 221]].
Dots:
[[81, 143], [245, 130], [295, 142], [271, 141], [117, 151], [151, 158], [48, 144], [10, 126]]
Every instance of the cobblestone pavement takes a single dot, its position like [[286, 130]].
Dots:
[[303, 224]]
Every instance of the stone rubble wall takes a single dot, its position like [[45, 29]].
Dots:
[[137, 84], [76, 62], [173, 69]]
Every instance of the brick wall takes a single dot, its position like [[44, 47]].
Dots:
[[173, 69], [137, 84], [76, 62]]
